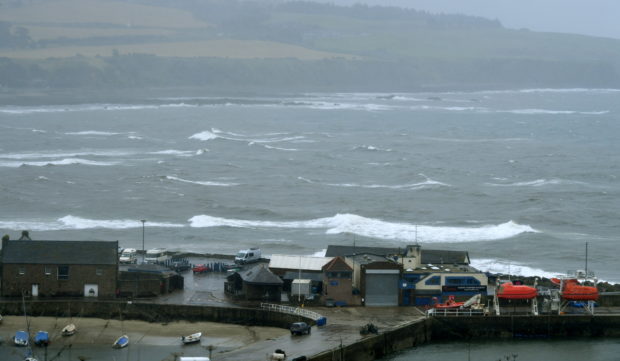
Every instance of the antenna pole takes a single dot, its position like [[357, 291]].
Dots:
[[586, 260]]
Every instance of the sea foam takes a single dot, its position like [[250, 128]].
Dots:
[[68, 161], [202, 183], [70, 222], [375, 228]]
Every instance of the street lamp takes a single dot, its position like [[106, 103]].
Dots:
[[143, 254]]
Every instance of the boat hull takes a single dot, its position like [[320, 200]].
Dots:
[[121, 342], [193, 338], [508, 291]]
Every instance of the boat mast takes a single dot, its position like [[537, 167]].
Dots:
[[586, 260]]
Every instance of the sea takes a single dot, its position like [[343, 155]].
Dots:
[[525, 180]]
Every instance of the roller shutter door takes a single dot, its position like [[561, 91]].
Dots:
[[382, 287]]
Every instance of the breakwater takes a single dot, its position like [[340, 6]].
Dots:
[[150, 312], [427, 330]]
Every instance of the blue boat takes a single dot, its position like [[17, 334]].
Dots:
[[121, 342], [21, 338], [42, 338]]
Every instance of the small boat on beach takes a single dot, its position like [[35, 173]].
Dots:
[[42, 339], [21, 338], [69, 330], [194, 337], [509, 291], [121, 342]]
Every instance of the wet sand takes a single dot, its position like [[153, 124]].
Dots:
[[148, 341]]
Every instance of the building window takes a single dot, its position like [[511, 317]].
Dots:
[[48, 270], [21, 270], [99, 272], [63, 272], [435, 280], [465, 280]]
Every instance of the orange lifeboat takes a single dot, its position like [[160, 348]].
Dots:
[[573, 291], [510, 291]]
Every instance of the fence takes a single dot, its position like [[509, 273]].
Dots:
[[292, 311]]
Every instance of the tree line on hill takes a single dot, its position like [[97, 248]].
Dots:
[[337, 74]]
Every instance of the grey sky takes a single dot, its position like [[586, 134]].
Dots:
[[588, 17]]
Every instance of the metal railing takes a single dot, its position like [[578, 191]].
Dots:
[[291, 310], [449, 312]]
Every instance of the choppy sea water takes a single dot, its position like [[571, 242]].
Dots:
[[521, 179]]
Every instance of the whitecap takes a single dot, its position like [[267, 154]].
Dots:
[[174, 152], [206, 135], [64, 155], [92, 132], [280, 148], [203, 183], [419, 185], [375, 228], [534, 183], [72, 223], [372, 148], [507, 267], [69, 161], [552, 112]]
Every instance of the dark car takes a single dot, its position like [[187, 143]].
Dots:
[[299, 328]]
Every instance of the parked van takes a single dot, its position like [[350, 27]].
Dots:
[[156, 255], [248, 256], [128, 256]]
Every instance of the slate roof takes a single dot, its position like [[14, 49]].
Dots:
[[260, 275], [428, 255], [60, 252], [335, 251], [337, 264], [434, 256]]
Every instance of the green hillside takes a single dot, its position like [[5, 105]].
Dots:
[[293, 45]]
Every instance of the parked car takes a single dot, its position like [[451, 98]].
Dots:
[[200, 268], [299, 328]]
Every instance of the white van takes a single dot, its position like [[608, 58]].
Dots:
[[128, 256], [248, 256], [156, 255]]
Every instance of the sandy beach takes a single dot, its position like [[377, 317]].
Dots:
[[97, 331]]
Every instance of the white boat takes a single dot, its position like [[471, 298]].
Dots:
[[69, 330], [194, 337], [121, 342]]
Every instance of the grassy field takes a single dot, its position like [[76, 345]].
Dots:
[[75, 12], [238, 49]]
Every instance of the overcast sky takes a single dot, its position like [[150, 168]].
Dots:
[[588, 17]]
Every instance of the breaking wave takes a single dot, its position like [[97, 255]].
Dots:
[[250, 139], [75, 223], [372, 148], [92, 132], [534, 183], [552, 112], [375, 228], [68, 161], [421, 185], [509, 268], [202, 183]]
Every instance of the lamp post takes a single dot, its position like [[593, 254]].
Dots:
[[143, 254]]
